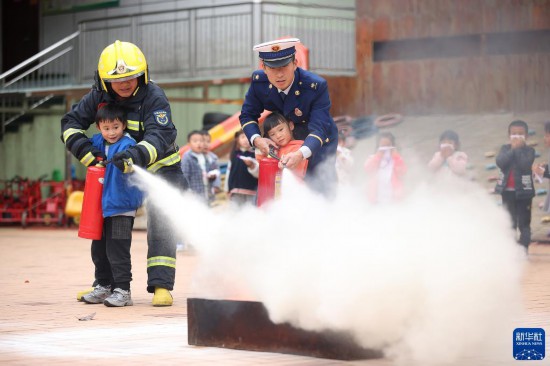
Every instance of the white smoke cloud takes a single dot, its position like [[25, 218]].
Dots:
[[430, 280]]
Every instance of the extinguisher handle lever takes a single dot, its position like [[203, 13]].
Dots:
[[102, 162], [272, 153]]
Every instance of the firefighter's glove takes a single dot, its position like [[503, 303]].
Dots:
[[98, 157], [123, 161], [84, 151]]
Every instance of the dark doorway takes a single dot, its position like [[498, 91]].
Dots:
[[20, 31]]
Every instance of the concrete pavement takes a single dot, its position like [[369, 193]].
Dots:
[[41, 270]]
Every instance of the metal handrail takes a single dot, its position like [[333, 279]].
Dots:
[[40, 54], [45, 62], [33, 106], [68, 67]]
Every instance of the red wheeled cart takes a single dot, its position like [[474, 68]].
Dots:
[[27, 201], [46, 204]]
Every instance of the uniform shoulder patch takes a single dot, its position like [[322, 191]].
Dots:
[[161, 117], [259, 76], [309, 80]]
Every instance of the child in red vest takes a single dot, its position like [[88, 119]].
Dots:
[[279, 130]]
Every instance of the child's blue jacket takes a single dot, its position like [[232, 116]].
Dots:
[[118, 195]]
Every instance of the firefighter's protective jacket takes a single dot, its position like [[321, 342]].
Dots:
[[149, 123]]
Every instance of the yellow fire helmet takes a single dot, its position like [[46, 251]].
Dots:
[[121, 61]]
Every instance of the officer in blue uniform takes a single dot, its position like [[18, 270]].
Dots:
[[300, 96]]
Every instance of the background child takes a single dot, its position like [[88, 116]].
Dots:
[[242, 176], [279, 130], [515, 161], [386, 170], [542, 169], [344, 160], [111, 254], [195, 166], [449, 157], [213, 175]]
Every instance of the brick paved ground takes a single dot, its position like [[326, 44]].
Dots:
[[42, 269]]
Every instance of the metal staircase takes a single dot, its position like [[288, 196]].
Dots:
[[174, 42], [36, 84]]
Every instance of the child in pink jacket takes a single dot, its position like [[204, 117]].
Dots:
[[449, 157], [386, 170]]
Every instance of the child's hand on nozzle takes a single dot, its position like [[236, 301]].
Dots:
[[291, 160]]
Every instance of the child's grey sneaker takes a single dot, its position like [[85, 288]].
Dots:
[[98, 295], [119, 297]]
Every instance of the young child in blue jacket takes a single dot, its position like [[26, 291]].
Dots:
[[120, 200]]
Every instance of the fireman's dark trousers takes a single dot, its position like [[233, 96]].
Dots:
[[161, 239], [111, 254]]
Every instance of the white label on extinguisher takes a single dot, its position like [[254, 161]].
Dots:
[[100, 180]]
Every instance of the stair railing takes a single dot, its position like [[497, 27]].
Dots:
[[41, 80]]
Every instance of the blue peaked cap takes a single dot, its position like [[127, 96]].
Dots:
[[277, 53]]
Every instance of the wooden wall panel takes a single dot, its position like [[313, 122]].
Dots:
[[343, 96], [399, 19], [483, 83], [462, 85]]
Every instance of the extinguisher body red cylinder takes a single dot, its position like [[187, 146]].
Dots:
[[91, 218], [267, 178]]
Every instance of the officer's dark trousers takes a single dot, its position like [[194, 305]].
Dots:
[[321, 170], [111, 254], [520, 212], [161, 240]]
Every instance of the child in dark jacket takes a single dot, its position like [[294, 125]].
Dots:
[[213, 175], [120, 200], [242, 176], [515, 161], [197, 168]]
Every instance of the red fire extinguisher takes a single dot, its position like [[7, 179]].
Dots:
[[267, 178], [91, 218]]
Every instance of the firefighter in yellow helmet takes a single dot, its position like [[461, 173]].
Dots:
[[122, 78]]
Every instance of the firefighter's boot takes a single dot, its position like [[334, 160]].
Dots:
[[162, 297]]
